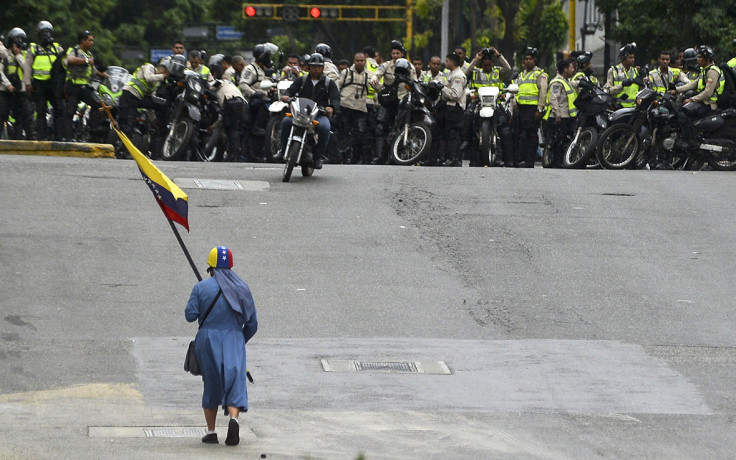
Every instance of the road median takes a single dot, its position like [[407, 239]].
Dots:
[[59, 149]]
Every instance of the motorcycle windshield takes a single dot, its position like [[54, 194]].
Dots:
[[118, 78], [304, 111]]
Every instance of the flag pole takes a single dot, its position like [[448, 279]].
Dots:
[[184, 248]]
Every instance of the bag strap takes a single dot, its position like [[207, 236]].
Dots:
[[210, 309]]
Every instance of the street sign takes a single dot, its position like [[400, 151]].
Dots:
[[228, 33], [158, 54]]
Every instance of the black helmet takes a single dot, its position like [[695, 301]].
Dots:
[[627, 49], [690, 58], [177, 65], [706, 52], [215, 65], [533, 52], [323, 49], [403, 67], [263, 52], [397, 45], [316, 59], [18, 36], [584, 58]]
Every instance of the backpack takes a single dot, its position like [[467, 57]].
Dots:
[[728, 97], [58, 75]]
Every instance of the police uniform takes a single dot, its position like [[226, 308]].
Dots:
[[78, 88], [530, 99], [454, 96], [385, 76], [353, 118], [250, 85], [709, 84], [560, 104], [137, 94], [234, 114], [41, 59], [229, 74], [614, 85], [331, 71], [660, 81], [13, 70]]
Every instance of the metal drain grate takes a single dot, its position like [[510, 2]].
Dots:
[[397, 367], [174, 432], [222, 184], [386, 367]]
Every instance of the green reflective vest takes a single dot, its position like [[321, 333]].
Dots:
[[481, 78], [372, 69], [43, 60], [203, 70], [528, 89], [619, 75], [732, 64], [571, 95], [79, 74], [721, 82], [12, 67], [580, 75], [141, 85], [660, 81]]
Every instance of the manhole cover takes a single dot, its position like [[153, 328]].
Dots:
[[222, 184], [398, 367]]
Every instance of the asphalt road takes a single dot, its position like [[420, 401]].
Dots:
[[580, 314]]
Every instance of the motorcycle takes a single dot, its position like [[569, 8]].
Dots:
[[492, 122], [411, 136], [595, 107], [189, 104], [715, 134], [277, 110], [301, 140], [94, 126]]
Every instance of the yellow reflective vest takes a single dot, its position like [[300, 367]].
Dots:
[[528, 89], [571, 95]]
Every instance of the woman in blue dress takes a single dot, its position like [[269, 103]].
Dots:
[[220, 341]]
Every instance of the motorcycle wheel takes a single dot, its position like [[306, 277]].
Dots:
[[290, 161], [419, 138], [214, 149], [273, 142], [578, 152], [307, 171], [177, 142], [121, 152], [618, 147], [488, 146], [547, 156]]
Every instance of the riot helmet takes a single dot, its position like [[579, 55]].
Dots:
[[316, 59], [18, 36], [706, 52], [215, 65], [584, 58], [533, 52], [627, 49], [177, 65], [323, 49], [403, 67], [690, 58], [44, 29], [397, 45]]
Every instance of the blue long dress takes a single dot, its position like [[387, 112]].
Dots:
[[220, 347]]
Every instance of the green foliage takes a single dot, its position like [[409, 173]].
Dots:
[[543, 25]]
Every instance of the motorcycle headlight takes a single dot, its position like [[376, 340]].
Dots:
[[301, 118], [488, 100]]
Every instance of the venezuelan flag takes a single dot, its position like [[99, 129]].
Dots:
[[173, 201]]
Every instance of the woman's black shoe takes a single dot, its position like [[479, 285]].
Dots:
[[233, 433], [210, 439]]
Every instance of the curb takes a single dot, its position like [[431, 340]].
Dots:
[[58, 149]]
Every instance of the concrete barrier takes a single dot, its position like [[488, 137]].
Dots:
[[59, 149]]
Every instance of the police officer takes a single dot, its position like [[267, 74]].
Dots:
[[80, 65], [622, 80], [324, 92], [251, 79], [196, 63], [454, 96], [353, 85], [435, 71], [664, 75], [371, 103], [690, 62], [331, 70], [732, 62], [138, 93], [389, 107], [531, 101], [13, 94], [41, 57], [483, 72], [584, 64], [463, 53], [561, 111], [233, 105], [291, 70]]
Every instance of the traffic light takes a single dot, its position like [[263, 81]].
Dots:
[[258, 11], [315, 12]]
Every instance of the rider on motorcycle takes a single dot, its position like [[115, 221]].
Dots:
[[324, 92]]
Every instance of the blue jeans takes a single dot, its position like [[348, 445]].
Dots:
[[323, 134]]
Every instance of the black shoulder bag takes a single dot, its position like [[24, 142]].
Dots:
[[191, 364]]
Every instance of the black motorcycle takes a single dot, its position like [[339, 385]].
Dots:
[[595, 107], [301, 139], [186, 118], [411, 136]]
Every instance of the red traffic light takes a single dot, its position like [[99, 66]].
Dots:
[[250, 11], [315, 12]]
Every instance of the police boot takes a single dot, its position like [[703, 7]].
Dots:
[[453, 154], [379, 158]]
